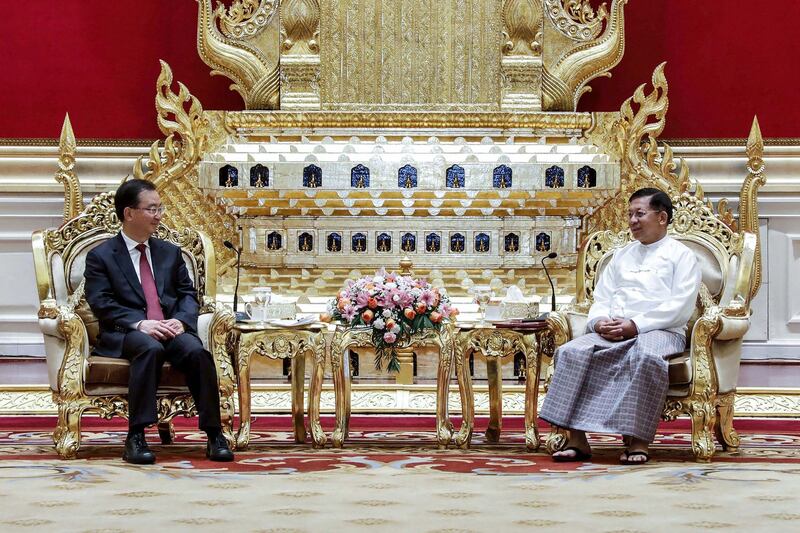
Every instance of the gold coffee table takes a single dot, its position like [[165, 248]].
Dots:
[[495, 342], [345, 338], [294, 342]]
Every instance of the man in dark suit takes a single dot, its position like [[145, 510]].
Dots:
[[140, 290]]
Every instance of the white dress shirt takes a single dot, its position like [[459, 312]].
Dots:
[[655, 285], [135, 258], [136, 255]]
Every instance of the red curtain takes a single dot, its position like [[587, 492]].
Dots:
[[98, 60]]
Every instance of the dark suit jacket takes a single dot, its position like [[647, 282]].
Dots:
[[116, 297]]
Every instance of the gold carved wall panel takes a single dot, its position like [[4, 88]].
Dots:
[[414, 54]]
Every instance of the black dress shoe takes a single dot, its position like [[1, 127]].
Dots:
[[136, 450], [217, 449]]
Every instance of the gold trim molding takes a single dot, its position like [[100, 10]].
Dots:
[[406, 399]]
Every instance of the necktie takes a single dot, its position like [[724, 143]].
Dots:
[[149, 286]]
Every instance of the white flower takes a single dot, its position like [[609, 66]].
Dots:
[[378, 323], [396, 329], [396, 298], [386, 313], [377, 279], [391, 285]]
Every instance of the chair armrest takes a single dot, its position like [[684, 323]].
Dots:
[[214, 326], [66, 348]]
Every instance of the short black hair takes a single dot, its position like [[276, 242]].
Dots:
[[127, 195], [659, 200]]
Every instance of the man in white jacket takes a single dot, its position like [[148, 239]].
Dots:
[[614, 379]]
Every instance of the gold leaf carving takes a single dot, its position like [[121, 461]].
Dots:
[[567, 72], [522, 21], [73, 199], [242, 44], [576, 19]]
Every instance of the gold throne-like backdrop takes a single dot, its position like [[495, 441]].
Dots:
[[444, 131]]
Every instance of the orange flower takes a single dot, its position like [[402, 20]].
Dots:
[[324, 317], [367, 316], [343, 302], [421, 307], [372, 303], [409, 313], [390, 323], [436, 317]]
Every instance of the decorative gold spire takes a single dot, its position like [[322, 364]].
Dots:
[[748, 198], [73, 200]]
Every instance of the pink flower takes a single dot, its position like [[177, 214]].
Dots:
[[404, 300], [428, 298], [389, 337], [362, 299], [349, 313], [446, 310]]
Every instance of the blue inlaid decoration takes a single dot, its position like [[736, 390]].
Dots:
[[334, 242], [407, 177], [408, 243], [259, 176], [383, 243], [457, 243], [312, 176], [274, 241], [433, 243], [542, 242], [359, 242], [359, 177], [482, 243], [305, 242], [554, 177], [454, 178], [511, 244], [228, 176], [501, 177], [587, 177]]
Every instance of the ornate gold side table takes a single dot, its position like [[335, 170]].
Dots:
[[248, 340], [345, 338], [495, 342]]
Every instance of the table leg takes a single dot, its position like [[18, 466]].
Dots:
[[317, 375], [532, 371], [298, 393], [444, 427], [341, 384], [243, 435], [464, 436], [494, 373]]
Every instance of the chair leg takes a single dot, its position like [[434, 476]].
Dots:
[[556, 439], [726, 434], [166, 431], [67, 435], [704, 416]]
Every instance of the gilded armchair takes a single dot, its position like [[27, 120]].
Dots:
[[82, 382], [702, 379]]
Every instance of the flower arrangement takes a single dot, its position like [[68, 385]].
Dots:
[[394, 306]]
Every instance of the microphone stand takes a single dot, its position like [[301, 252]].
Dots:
[[239, 316], [551, 255]]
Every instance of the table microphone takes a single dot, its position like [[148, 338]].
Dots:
[[230, 246], [551, 255]]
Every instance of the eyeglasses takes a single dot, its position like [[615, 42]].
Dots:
[[153, 211], [639, 214]]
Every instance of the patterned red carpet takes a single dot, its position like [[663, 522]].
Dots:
[[390, 476]]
